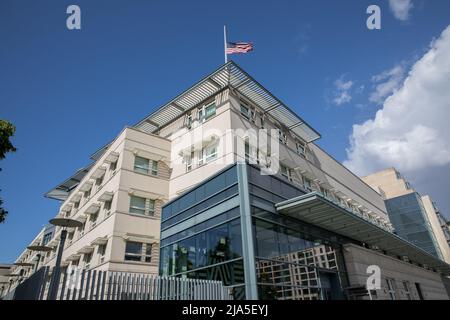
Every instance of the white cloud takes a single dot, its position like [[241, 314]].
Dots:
[[387, 83], [401, 8], [342, 91], [411, 131]]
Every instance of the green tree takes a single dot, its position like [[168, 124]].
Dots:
[[7, 130]]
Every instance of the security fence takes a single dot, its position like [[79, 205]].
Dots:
[[79, 284]]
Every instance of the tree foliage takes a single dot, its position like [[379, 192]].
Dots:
[[7, 130]]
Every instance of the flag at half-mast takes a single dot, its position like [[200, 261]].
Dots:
[[239, 47]]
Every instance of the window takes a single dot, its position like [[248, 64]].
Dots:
[[211, 154], [137, 251], [419, 290], [207, 112], [82, 230], [142, 206], [87, 260], [93, 219], [98, 183], [301, 148], [188, 121], [107, 207], [154, 168], [245, 111], [282, 137], [307, 184], [142, 165], [101, 252], [207, 154], [47, 238], [137, 205], [286, 172], [407, 288], [391, 288], [113, 166], [189, 161]]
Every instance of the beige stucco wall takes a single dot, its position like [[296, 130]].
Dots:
[[357, 259], [387, 183]]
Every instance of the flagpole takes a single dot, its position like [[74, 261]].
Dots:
[[225, 42]]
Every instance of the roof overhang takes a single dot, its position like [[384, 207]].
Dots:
[[230, 75], [62, 191], [313, 208]]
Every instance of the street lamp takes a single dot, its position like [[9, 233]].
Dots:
[[64, 223]]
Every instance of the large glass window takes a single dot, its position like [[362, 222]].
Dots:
[[199, 196], [211, 247]]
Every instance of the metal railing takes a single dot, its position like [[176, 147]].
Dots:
[[79, 284]]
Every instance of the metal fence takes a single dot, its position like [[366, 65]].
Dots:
[[109, 285]]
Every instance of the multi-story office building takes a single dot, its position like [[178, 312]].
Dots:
[[415, 217], [174, 194]]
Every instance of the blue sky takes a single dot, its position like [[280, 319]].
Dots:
[[70, 92]]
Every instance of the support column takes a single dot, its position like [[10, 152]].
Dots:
[[54, 284], [251, 288]]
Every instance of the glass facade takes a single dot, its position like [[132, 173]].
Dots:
[[201, 233], [202, 238], [294, 260], [408, 217]]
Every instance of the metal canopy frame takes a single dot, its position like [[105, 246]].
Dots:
[[230, 75], [61, 192], [317, 210]]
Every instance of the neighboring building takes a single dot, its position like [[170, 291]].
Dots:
[[414, 217], [173, 195]]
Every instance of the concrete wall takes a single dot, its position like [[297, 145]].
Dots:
[[357, 259]]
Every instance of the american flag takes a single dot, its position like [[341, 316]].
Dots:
[[239, 47]]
